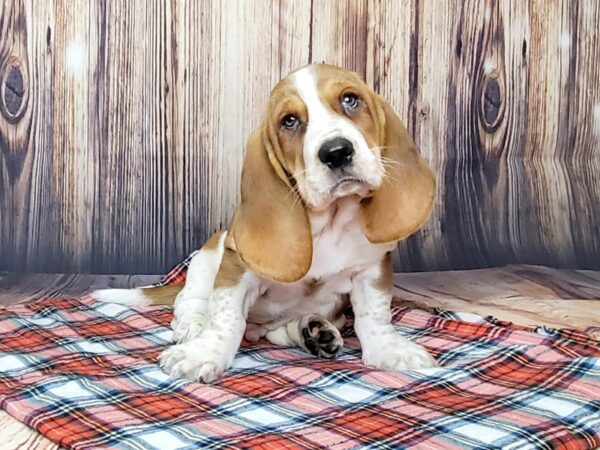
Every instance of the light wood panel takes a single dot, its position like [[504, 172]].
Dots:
[[122, 124]]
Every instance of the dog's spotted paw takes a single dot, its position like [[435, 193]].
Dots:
[[188, 326], [186, 330], [179, 361], [320, 337], [395, 353]]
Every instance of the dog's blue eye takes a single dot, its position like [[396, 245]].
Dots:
[[290, 122], [350, 100]]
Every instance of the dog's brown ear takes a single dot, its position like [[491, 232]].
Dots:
[[270, 227], [404, 201]]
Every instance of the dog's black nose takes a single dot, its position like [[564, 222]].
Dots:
[[336, 153]]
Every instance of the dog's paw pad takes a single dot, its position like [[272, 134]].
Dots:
[[321, 337]]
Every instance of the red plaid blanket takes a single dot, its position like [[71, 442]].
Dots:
[[84, 374]]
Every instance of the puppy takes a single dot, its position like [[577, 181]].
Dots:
[[331, 182]]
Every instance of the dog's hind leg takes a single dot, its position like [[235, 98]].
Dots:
[[313, 333], [190, 300]]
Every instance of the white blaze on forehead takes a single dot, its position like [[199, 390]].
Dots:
[[305, 81], [323, 123]]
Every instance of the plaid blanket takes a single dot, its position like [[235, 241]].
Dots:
[[84, 374]]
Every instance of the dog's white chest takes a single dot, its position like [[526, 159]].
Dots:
[[340, 251], [339, 244]]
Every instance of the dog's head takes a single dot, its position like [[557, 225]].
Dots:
[[326, 135]]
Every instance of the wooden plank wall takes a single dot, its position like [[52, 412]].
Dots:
[[122, 123]]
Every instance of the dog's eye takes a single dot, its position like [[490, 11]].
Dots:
[[290, 122], [350, 100]]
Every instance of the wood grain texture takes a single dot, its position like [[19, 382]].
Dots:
[[122, 124], [505, 102], [18, 436], [18, 288], [522, 294]]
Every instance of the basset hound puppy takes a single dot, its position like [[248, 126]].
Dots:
[[331, 182]]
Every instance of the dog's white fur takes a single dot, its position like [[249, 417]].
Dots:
[[209, 323]]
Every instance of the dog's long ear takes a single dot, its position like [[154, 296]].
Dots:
[[404, 201], [270, 227]]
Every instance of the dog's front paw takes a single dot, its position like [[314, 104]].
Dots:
[[188, 325], [182, 361], [395, 353], [186, 330]]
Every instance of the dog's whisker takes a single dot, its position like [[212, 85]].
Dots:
[[391, 162], [388, 146]]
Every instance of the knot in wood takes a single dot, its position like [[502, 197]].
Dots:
[[13, 97], [492, 105]]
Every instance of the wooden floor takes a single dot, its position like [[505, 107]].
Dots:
[[18, 288], [525, 295]]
